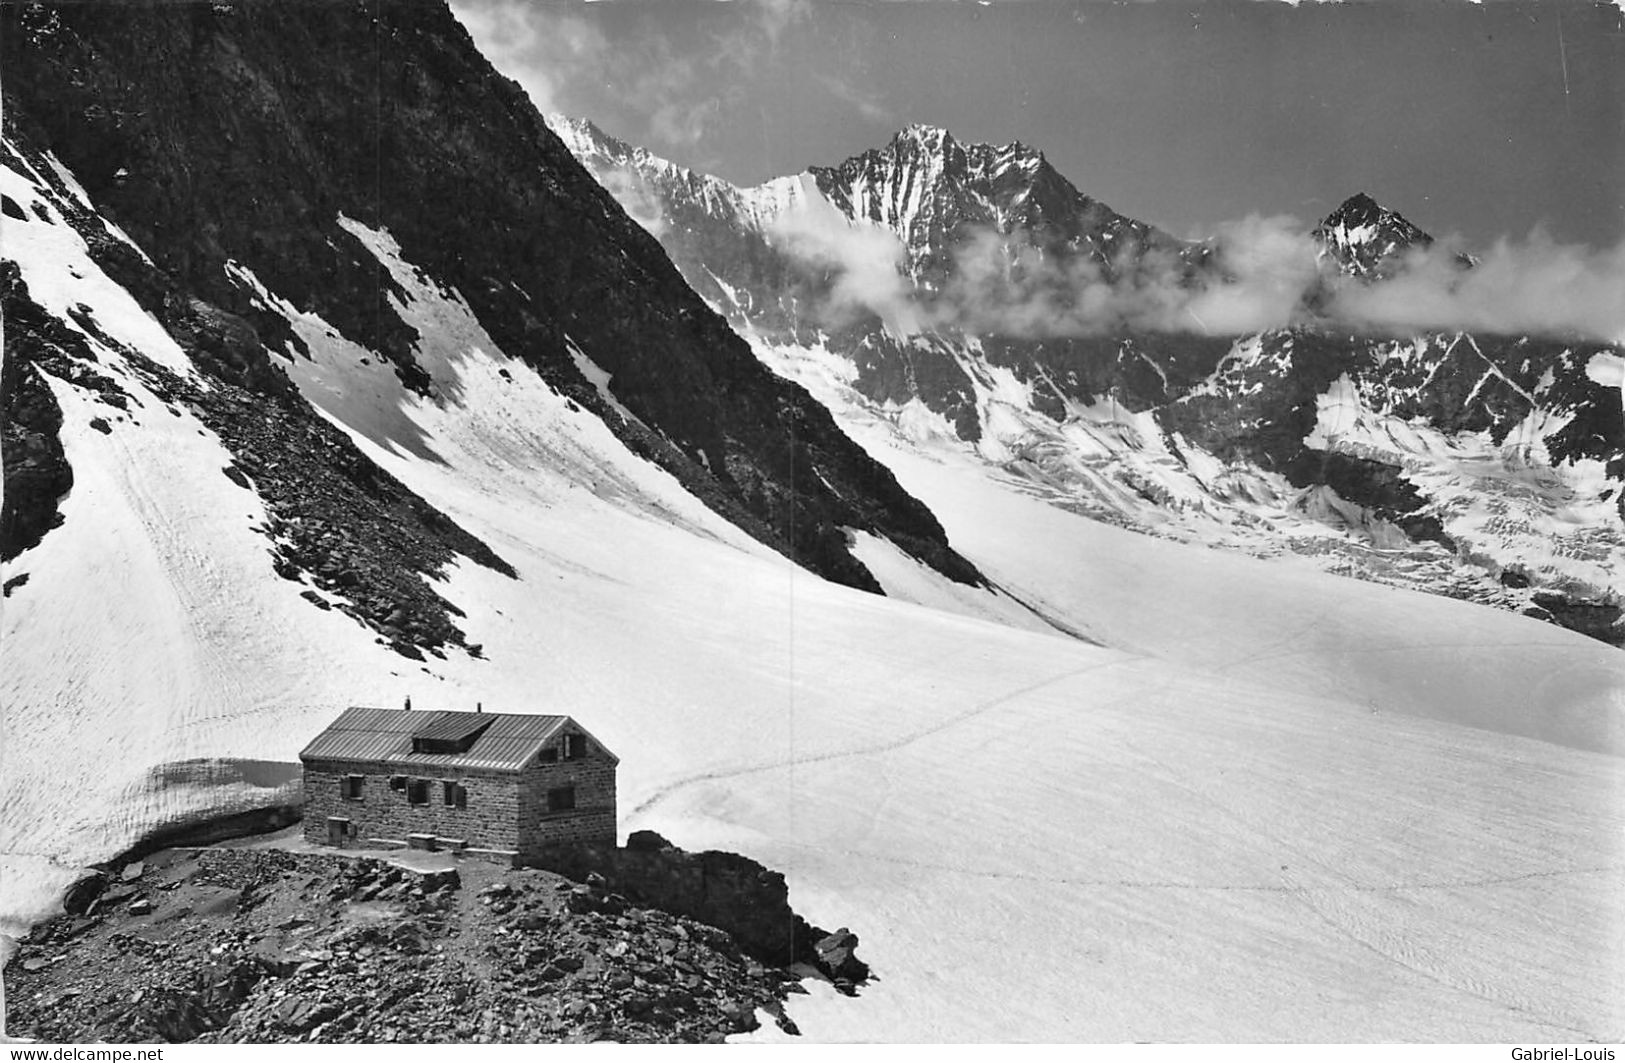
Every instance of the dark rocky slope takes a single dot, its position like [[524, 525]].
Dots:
[[358, 537], [235, 945], [242, 132], [36, 470]]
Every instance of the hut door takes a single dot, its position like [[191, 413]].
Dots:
[[337, 828]]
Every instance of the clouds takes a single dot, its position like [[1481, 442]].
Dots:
[[539, 47], [1536, 285], [753, 88], [1262, 273], [868, 104], [550, 51], [751, 41], [1008, 283], [641, 205], [1268, 265], [861, 262], [670, 95]]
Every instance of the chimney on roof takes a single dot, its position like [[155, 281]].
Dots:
[[408, 703], [479, 707]]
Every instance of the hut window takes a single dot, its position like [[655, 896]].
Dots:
[[575, 747], [454, 794], [561, 800], [397, 782], [352, 787], [417, 791]]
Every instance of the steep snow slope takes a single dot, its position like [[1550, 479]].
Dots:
[[1235, 823]]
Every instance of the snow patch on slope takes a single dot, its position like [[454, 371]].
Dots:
[[600, 379], [1607, 369], [61, 276]]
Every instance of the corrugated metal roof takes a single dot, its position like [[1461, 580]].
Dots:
[[366, 718], [365, 733], [453, 726]]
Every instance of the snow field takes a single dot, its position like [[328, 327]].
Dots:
[[1281, 806], [1279, 623]]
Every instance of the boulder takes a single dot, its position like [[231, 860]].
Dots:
[[646, 841], [584, 899], [445, 879], [531, 921], [740, 1016], [837, 957], [83, 893], [274, 959]]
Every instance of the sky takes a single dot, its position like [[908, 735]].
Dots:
[[1473, 120]]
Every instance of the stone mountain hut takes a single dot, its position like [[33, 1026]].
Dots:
[[500, 785]]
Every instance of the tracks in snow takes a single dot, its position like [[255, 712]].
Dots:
[[875, 748]]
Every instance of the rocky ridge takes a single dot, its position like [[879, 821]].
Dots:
[[263, 945]]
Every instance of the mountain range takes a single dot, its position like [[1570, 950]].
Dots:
[[1481, 466], [334, 376]]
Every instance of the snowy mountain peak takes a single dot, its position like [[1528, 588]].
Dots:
[[930, 136], [566, 127], [937, 194], [1363, 236], [583, 138], [587, 141], [933, 191], [649, 187], [961, 159]]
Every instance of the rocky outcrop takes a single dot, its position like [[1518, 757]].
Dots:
[[1377, 486], [723, 889], [261, 945], [36, 468], [1599, 618]]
